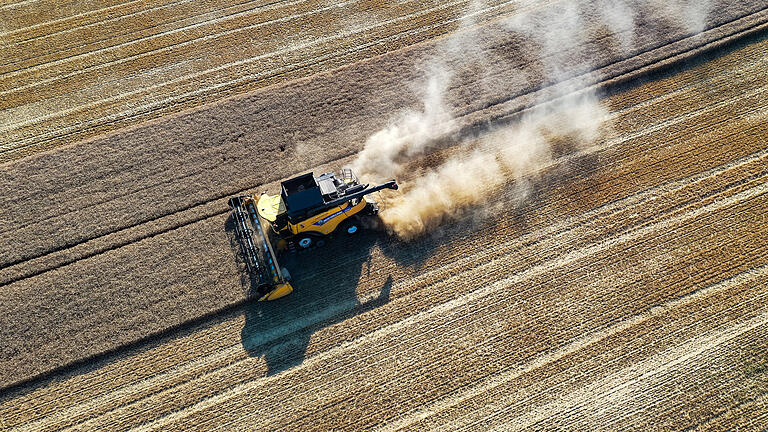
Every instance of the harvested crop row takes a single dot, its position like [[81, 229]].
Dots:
[[224, 293], [523, 253]]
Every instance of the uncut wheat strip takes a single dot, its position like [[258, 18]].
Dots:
[[463, 300], [653, 60], [661, 327], [608, 397]]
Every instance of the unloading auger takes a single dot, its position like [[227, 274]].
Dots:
[[307, 210]]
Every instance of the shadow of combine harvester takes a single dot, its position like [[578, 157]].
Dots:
[[325, 280], [280, 331]]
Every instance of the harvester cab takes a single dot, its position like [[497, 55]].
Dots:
[[307, 210]]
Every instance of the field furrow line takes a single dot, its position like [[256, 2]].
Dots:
[[751, 414], [111, 18], [670, 372], [68, 18], [621, 382]]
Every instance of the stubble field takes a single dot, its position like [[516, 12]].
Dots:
[[627, 291]]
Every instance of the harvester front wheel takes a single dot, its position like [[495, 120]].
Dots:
[[350, 226], [309, 241]]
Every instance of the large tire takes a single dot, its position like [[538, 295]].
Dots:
[[308, 241], [305, 242], [350, 227]]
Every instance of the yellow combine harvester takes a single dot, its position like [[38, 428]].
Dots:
[[307, 210]]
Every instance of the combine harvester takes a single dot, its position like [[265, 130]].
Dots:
[[307, 210]]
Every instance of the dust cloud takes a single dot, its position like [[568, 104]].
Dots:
[[511, 156]]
